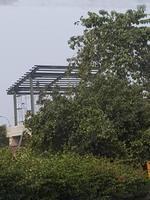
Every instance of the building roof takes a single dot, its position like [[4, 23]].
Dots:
[[45, 77]]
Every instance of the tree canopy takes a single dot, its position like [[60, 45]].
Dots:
[[109, 114], [92, 143], [117, 43]]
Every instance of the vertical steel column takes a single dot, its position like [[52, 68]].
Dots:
[[15, 110], [32, 95]]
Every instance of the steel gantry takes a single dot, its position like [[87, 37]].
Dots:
[[42, 77]]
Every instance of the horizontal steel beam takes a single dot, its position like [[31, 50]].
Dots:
[[40, 88], [51, 67], [43, 85], [52, 75]]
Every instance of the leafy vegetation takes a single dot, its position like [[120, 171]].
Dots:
[[68, 176], [81, 143], [3, 138], [109, 114]]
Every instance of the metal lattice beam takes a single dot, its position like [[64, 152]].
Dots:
[[44, 76]]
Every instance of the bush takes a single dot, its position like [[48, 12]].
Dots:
[[3, 138], [68, 177]]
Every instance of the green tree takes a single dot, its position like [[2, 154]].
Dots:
[[65, 124], [110, 109], [118, 43], [52, 126]]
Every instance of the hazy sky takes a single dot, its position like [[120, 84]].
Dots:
[[37, 31]]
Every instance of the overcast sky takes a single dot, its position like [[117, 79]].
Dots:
[[37, 31]]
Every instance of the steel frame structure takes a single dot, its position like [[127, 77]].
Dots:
[[42, 77]]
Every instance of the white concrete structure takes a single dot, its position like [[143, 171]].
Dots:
[[15, 133]]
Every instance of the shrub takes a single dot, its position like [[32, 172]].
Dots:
[[69, 177], [3, 138]]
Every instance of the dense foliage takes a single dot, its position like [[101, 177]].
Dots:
[[109, 114], [3, 138], [81, 142], [116, 43], [68, 176], [64, 124]]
